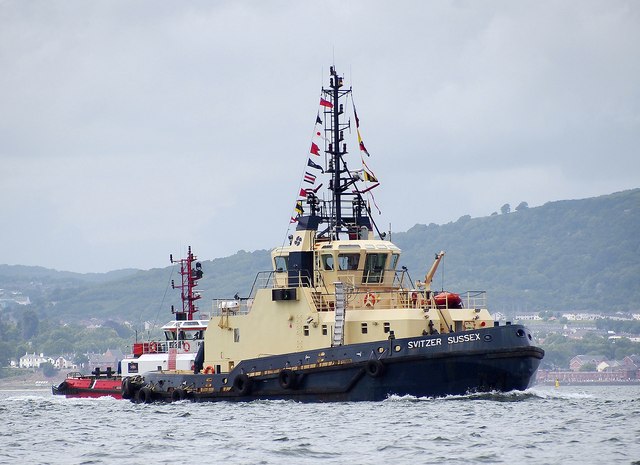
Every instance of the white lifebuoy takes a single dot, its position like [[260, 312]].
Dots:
[[370, 299]]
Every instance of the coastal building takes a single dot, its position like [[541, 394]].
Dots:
[[109, 359], [579, 361], [62, 363], [33, 360]]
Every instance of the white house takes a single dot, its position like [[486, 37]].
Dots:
[[62, 363], [33, 360]]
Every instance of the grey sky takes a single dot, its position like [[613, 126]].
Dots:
[[129, 130]]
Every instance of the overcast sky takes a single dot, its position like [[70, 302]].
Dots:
[[131, 129]]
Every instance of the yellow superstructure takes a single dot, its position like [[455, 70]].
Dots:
[[349, 292]]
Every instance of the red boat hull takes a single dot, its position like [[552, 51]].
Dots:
[[89, 387]]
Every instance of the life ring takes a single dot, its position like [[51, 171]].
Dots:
[[144, 396], [414, 298], [242, 384], [209, 370], [186, 346], [370, 299], [287, 379], [374, 368], [153, 347]]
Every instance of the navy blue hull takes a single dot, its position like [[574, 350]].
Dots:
[[492, 359]]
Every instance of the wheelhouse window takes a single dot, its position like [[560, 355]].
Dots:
[[394, 261], [348, 261], [374, 268], [327, 262], [281, 263]]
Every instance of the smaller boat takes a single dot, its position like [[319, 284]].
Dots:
[[98, 384], [183, 337]]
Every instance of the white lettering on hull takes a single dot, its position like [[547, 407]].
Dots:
[[424, 343], [419, 344]]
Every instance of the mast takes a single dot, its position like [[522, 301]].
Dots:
[[335, 83], [345, 213], [190, 277]]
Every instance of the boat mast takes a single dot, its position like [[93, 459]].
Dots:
[[190, 276], [336, 151]]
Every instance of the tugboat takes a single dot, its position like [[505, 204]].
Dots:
[[336, 319], [183, 337]]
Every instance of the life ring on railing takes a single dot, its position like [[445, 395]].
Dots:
[[414, 298], [186, 346], [153, 347], [208, 370], [370, 299]]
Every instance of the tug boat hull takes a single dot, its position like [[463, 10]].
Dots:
[[336, 318], [492, 359]]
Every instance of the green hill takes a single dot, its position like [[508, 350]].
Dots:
[[564, 256], [567, 255]]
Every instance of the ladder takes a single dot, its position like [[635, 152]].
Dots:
[[340, 308]]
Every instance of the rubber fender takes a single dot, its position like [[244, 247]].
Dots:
[[242, 384], [374, 368]]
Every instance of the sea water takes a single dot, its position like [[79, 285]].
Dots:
[[544, 425]]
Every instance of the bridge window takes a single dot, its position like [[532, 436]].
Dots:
[[394, 261], [327, 261], [348, 261], [374, 268], [281, 263]]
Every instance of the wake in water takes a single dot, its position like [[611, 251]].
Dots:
[[496, 396]]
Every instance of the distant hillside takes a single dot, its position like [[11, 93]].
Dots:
[[566, 255], [563, 256]]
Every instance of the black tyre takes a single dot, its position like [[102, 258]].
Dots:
[[374, 368], [127, 389], [144, 396], [288, 379], [178, 394], [242, 384]]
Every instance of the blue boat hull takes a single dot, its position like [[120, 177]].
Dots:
[[493, 359]]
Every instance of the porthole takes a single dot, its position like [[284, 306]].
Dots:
[[488, 337], [380, 350], [520, 333], [397, 348]]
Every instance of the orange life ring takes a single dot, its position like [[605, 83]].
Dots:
[[208, 370], [370, 299], [153, 347], [186, 346]]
